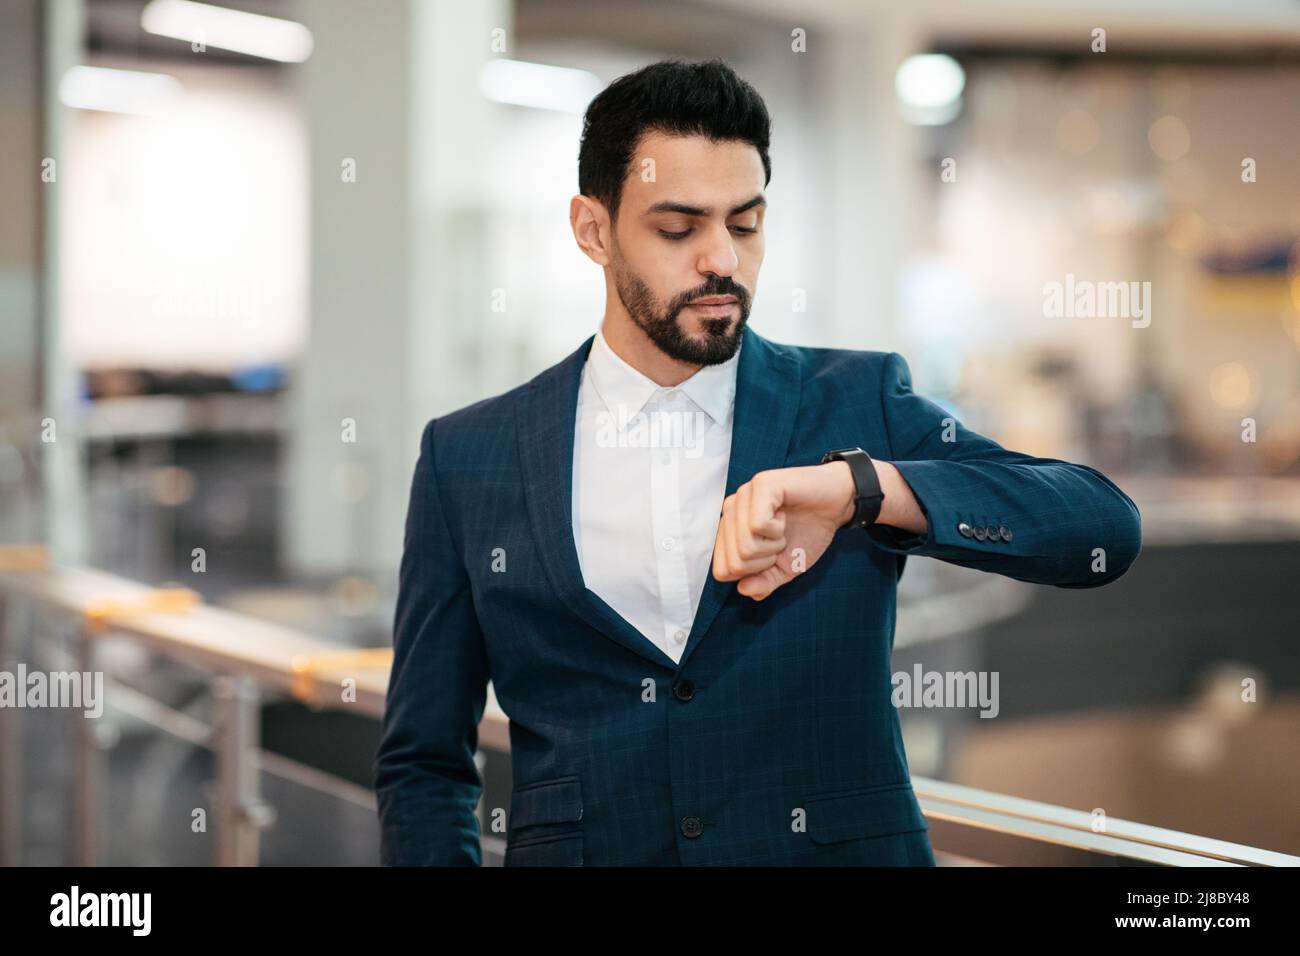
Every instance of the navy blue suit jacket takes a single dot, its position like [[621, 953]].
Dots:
[[774, 740]]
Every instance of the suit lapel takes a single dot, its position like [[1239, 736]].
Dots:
[[767, 399], [546, 417]]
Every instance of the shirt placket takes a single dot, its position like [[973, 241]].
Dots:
[[670, 543]]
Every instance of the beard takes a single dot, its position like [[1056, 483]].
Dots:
[[661, 325]]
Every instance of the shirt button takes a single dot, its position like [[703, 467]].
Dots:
[[679, 636], [671, 394], [668, 544], [666, 458]]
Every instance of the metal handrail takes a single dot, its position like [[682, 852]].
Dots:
[[246, 656], [1062, 826]]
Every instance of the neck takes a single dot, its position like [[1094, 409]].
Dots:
[[634, 347]]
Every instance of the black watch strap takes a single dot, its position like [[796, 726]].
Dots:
[[869, 496]]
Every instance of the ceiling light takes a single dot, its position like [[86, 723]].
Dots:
[[267, 37], [117, 91], [538, 85], [929, 87]]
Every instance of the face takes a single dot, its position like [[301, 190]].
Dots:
[[694, 232]]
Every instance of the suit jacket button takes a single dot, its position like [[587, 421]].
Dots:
[[692, 827], [964, 530], [683, 690], [981, 532], [1004, 532]]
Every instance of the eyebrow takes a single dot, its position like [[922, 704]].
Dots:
[[685, 209]]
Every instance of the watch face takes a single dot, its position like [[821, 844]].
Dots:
[[833, 455]]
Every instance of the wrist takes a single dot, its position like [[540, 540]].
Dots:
[[859, 494], [887, 474], [848, 492]]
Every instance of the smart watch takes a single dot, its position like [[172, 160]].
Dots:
[[869, 496]]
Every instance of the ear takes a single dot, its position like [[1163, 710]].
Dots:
[[591, 227]]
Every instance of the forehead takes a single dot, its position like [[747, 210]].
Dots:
[[694, 170]]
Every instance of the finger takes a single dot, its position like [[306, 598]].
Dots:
[[744, 552], [746, 546], [726, 556], [735, 565], [721, 569], [760, 586], [766, 520]]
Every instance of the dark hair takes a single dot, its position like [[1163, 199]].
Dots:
[[672, 96]]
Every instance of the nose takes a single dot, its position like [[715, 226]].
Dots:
[[719, 254]]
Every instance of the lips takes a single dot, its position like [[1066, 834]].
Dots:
[[718, 307]]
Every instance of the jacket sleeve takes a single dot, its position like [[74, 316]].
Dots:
[[1070, 526], [427, 785]]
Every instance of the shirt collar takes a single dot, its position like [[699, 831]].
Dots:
[[712, 387]]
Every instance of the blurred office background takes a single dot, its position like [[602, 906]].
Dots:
[[225, 238]]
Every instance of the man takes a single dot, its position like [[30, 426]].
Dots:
[[685, 612]]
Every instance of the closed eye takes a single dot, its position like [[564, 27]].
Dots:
[[739, 230]]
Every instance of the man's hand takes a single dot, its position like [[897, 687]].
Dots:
[[781, 521]]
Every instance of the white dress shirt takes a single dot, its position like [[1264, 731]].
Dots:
[[649, 475]]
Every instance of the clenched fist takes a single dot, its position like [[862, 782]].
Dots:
[[781, 521], [778, 524]]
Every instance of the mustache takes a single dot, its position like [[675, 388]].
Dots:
[[719, 285]]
